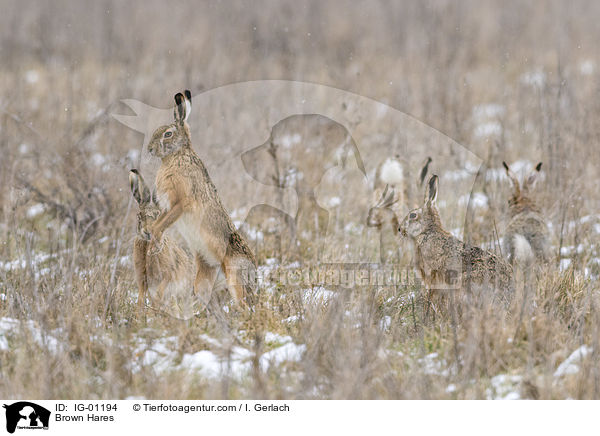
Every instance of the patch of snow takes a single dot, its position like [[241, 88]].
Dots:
[[23, 148], [125, 260], [32, 76], [205, 362], [456, 232], [431, 364], [564, 264], [22, 263], [289, 352], [587, 67], [272, 261], [458, 175], [495, 174], [353, 228], [290, 319], [274, 337], [569, 250], [451, 388], [161, 356], [536, 79], [288, 140], [521, 166], [133, 155], [98, 159], [35, 210], [380, 110], [478, 200], [385, 323], [10, 326], [334, 202], [571, 364], [490, 128], [486, 111], [504, 387], [317, 295], [251, 232]]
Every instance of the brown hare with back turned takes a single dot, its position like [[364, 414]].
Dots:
[[190, 202], [444, 261], [163, 270], [526, 239]]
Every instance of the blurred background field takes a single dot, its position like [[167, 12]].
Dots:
[[469, 83]]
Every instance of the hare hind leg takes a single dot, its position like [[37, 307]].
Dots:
[[205, 279]]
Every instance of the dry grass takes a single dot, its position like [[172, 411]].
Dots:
[[504, 81]]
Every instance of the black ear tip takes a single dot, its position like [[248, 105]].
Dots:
[[134, 171], [538, 166], [188, 94], [433, 181], [179, 98], [505, 165]]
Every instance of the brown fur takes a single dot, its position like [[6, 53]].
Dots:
[[526, 238], [388, 203], [163, 270], [191, 203], [444, 261]]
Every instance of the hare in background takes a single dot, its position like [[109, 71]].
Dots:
[[190, 202], [163, 270], [445, 262], [390, 200], [526, 239]]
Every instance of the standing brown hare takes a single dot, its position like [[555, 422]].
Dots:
[[526, 239], [163, 270], [445, 262], [190, 202]]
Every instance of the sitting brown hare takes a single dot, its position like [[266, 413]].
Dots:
[[163, 270], [526, 240], [391, 201], [444, 262]]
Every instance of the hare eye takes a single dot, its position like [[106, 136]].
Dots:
[[168, 134], [412, 215]]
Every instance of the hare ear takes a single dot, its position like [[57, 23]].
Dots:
[[432, 190], [188, 103], [391, 198], [511, 176], [533, 177], [424, 170], [140, 191], [180, 110]]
